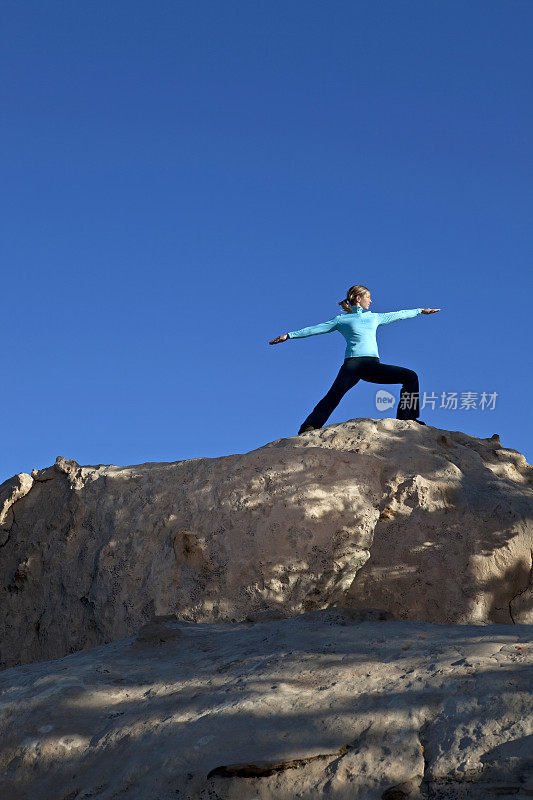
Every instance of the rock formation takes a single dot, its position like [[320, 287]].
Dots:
[[347, 613], [427, 524], [334, 703]]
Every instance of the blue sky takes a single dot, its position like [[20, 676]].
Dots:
[[184, 181]]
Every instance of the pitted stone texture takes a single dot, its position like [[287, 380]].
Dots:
[[387, 514], [319, 705]]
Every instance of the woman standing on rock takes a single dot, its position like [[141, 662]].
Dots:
[[361, 358]]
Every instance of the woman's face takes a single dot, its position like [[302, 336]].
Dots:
[[364, 300]]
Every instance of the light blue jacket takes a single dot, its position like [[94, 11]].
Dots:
[[358, 328]]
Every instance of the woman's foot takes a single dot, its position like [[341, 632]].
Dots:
[[419, 421], [306, 428]]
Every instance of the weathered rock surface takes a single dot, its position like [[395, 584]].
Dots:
[[332, 703], [425, 523]]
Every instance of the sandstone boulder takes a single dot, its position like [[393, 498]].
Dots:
[[423, 523], [332, 703]]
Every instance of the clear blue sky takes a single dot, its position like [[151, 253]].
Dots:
[[184, 181]]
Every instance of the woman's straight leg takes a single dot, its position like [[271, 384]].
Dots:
[[408, 407], [347, 377]]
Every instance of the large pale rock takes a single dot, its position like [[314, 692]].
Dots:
[[332, 703], [428, 524], [11, 491]]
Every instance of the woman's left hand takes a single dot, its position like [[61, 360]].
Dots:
[[430, 310]]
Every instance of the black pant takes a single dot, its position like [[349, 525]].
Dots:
[[368, 368]]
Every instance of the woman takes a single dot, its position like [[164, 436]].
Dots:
[[361, 358]]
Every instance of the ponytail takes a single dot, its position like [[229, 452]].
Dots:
[[345, 305]]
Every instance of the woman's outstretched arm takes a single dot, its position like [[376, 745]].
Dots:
[[393, 316], [312, 330]]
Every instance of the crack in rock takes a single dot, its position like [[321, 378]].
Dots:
[[261, 769]]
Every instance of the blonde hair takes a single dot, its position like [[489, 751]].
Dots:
[[351, 296]]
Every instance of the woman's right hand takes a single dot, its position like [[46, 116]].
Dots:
[[278, 339]]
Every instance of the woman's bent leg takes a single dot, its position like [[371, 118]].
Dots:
[[409, 405], [347, 377]]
